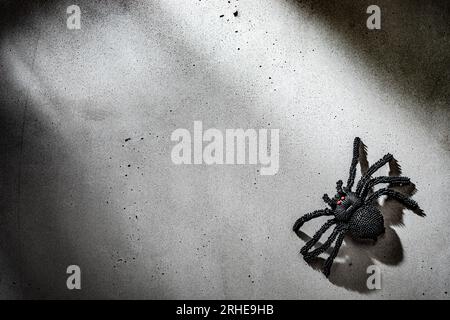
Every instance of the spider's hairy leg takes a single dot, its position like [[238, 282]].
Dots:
[[406, 201], [339, 184], [329, 262], [312, 254], [312, 215], [373, 182], [317, 236], [359, 155], [327, 200], [351, 177], [373, 168]]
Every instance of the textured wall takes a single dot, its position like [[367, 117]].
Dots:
[[73, 191]]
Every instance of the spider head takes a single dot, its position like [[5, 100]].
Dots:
[[343, 200]]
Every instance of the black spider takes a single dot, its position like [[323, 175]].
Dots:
[[355, 212]]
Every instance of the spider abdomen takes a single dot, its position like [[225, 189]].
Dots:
[[366, 223]]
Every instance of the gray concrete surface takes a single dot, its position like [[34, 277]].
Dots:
[[74, 192]]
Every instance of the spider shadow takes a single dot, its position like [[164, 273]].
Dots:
[[349, 270]]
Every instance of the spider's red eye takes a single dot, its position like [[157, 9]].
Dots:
[[339, 202], [342, 198]]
